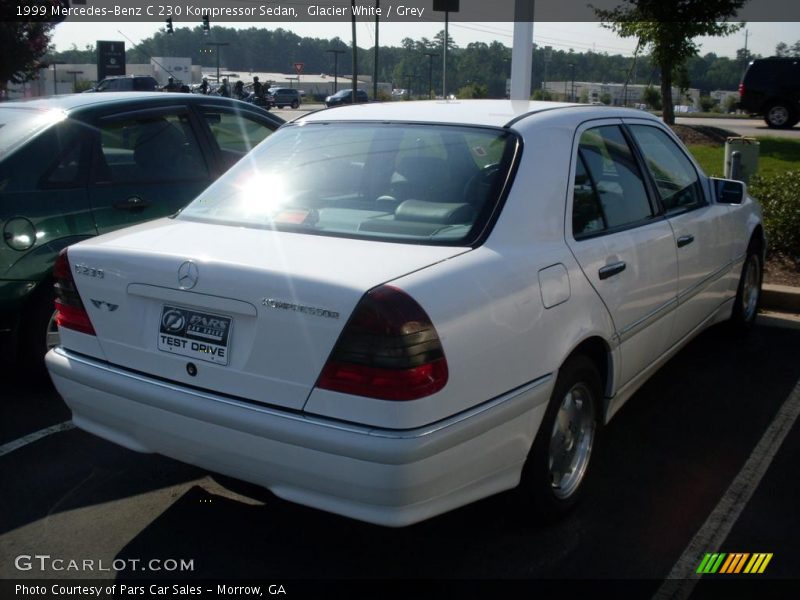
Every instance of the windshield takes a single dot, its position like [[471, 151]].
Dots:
[[19, 124], [435, 184]]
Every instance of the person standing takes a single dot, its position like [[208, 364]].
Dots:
[[204, 86], [225, 89]]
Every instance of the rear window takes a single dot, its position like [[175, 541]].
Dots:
[[434, 184]]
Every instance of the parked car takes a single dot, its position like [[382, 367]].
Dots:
[[393, 310], [771, 87], [346, 97], [126, 83], [75, 166], [282, 97]]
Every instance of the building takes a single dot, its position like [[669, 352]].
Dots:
[[619, 93]]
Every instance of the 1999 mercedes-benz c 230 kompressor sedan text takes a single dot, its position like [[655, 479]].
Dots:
[[389, 311]]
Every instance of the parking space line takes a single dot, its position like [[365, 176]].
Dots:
[[35, 436], [683, 577]]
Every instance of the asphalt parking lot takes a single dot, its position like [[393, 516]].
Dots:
[[683, 450]]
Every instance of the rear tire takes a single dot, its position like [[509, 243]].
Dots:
[[38, 332], [779, 115], [295, 104], [555, 473]]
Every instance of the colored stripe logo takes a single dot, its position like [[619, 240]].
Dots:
[[734, 562]]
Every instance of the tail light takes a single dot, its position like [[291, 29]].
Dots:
[[741, 90], [70, 312], [388, 350]]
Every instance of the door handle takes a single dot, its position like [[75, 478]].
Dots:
[[612, 269], [685, 240], [132, 204]]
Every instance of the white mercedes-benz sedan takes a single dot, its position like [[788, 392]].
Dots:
[[387, 311]]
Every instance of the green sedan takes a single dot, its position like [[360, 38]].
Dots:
[[76, 166]]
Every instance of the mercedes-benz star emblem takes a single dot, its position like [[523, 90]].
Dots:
[[187, 275]]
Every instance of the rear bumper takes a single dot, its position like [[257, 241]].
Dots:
[[383, 476]]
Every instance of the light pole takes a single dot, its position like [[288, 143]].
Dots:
[[74, 78], [336, 54], [572, 95], [375, 66], [355, 52], [55, 83], [430, 56], [218, 46]]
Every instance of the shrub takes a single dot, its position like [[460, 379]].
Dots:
[[779, 196], [474, 90]]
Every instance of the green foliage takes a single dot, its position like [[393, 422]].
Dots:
[[584, 98], [668, 31], [779, 195], [652, 97], [540, 94], [605, 98], [81, 86], [24, 45], [707, 103], [473, 90]]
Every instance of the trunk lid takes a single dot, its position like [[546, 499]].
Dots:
[[257, 312]]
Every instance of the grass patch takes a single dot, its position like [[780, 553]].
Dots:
[[776, 155]]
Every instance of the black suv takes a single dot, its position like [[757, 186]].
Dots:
[[771, 87], [126, 83], [346, 97]]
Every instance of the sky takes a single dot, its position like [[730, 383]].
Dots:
[[582, 37]]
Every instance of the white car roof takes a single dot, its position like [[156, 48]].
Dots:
[[496, 113]]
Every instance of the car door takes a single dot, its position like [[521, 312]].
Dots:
[[700, 227], [625, 249], [147, 164]]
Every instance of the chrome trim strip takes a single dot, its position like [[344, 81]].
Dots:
[[395, 434], [697, 287], [659, 312]]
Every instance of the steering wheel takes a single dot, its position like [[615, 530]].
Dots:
[[478, 186]]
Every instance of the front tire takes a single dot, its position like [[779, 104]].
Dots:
[[748, 294], [295, 104], [555, 473]]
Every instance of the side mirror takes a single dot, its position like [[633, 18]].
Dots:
[[728, 191]]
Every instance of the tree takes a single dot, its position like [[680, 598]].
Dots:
[[668, 30], [24, 45]]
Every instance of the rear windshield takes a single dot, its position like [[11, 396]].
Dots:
[[19, 124], [434, 184]]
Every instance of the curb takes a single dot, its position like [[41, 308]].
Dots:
[[780, 298]]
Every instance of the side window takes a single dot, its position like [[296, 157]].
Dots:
[[149, 149], [587, 216], [615, 180], [235, 132], [675, 176], [67, 169]]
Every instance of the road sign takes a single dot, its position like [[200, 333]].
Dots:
[[298, 66]]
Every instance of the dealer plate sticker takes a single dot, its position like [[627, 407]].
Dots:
[[199, 335]]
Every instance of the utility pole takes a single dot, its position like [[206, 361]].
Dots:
[[375, 66], [430, 56], [522, 50], [218, 46], [446, 6], [336, 54]]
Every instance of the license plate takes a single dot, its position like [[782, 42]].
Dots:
[[198, 335]]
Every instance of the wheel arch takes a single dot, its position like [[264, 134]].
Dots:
[[599, 352]]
